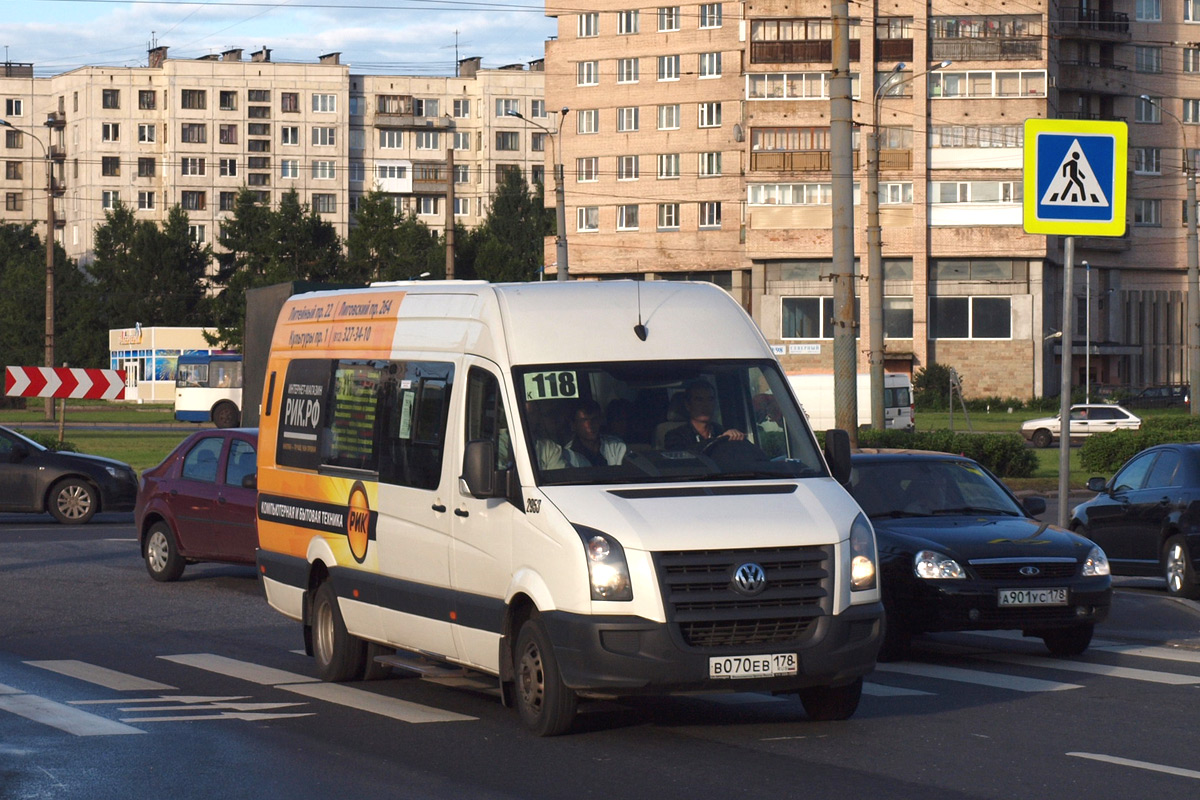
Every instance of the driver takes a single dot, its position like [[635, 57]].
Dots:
[[701, 429]]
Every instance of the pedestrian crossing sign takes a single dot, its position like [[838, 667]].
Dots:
[[1075, 177]]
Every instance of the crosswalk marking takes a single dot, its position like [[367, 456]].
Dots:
[[244, 670], [1129, 673], [62, 717], [108, 678], [980, 678], [1147, 765], [883, 690], [1165, 653], [9, 690]]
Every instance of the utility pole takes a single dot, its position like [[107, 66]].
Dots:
[[1193, 292], [450, 211], [845, 356]]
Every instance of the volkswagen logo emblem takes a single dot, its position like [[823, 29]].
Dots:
[[1030, 571], [749, 579]]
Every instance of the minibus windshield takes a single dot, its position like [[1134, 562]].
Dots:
[[650, 422]]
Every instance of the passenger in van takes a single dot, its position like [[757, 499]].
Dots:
[[549, 452], [701, 429], [588, 447]]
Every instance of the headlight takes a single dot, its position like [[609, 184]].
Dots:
[[932, 565], [116, 472], [862, 555], [607, 568], [1096, 563]]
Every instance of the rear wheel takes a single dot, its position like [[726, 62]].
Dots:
[[339, 656], [73, 501], [546, 705], [832, 703], [161, 553], [226, 415], [1068, 641], [1042, 438], [1177, 567]]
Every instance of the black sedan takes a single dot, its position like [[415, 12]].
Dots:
[[958, 552], [1147, 518], [71, 486]]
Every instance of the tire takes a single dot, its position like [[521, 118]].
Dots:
[[226, 415], [1042, 438], [1068, 641], [546, 705], [340, 656], [372, 669], [1178, 570], [897, 638], [161, 553], [832, 703], [73, 500]]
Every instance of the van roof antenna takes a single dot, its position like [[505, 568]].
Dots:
[[639, 329]]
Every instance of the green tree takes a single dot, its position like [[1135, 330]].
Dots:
[[386, 244], [513, 234], [931, 387]]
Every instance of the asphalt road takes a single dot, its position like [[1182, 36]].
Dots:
[[114, 686]]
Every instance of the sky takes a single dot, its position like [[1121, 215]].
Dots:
[[414, 37]]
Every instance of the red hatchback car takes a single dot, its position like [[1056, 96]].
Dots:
[[199, 503]]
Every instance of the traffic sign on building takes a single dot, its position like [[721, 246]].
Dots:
[[1075, 177]]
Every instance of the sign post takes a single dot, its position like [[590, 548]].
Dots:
[[1074, 186]]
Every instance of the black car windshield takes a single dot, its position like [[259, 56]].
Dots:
[[928, 487], [650, 422]]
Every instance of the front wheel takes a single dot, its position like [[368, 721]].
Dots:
[[1042, 438], [547, 706], [831, 703], [163, 561], [1068, 641], [1178, 570], [340, 656], [73, 501]]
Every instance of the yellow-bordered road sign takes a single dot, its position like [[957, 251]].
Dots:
[[1075, 177]]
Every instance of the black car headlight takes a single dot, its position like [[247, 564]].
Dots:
[[608, 572], [1096, 564], [932, 565]]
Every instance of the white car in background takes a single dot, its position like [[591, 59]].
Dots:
[[1086, 419]]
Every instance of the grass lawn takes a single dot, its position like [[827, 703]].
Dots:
[[139, 449], [88, 411]]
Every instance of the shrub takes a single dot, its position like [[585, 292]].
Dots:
[[931, 387], [1104, 454], [50, 440], [1004, 454]]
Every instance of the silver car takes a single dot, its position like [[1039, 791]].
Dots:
[[1086, 419]]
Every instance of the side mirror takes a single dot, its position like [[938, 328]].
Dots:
[[479, 468], [1034, 505], [250, 481], [837, 453], [1097, 484]]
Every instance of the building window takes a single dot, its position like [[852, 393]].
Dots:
[[193, 99], [324, 203], [537, 108], [259, 145], [1147, 59], [896, 194], [808, 317], [668, 216], [324, 137], [627, 119], [258, 95], [110, 132], [588, 218], [507, 104], [227, 101], [790, 194], [587, 73], [710, 165], [462, 173], [12, 170], [1190, 12], [1191, 59], [1147, 161], [462, 140], [943, 192], [587, 170], [427, 205], [323, 170], [537, 174], [110, 166], [228, 167], [147, 99], [627, 23], [710, 215], [710, 15], [1191, 111], [537, 142], [289, 102], [898, 317], [196, 233], [462, 206], [227, 134], [668, 117], [109, 199], [1148, 11], [193, 133], [1147, 109], [191, 166], [988, 83], [668, 166], [259, 112], [192, 201], [13, 139], [710, 65], [627, 168], [258, 162], [391, 138], [668, 68], [12, 201], [710, 115], [14, 107], [627, 217], [226, 201], [391, 172], [974, 136], [794, 86], [289, 168], [462, 109], [110, 98], [146, 167], [589, 25], [627, 70], [970, 318], [428, 140], [508, 141], [668, 18], [324, 103], [588, 120], [1147, 213], [256, 128]]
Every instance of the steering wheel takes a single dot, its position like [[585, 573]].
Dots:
[[733, 453]]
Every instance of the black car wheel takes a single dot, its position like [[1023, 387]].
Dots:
[[1068, 641], [161, 553], [73, 501], [1177, 567], [1042, 438], [831, 703]]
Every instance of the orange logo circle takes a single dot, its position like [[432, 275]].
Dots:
[[358, 522]]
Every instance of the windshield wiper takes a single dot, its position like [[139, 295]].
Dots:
[[976, 510], [897, 514]]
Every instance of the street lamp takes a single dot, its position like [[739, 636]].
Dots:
[[49, 342], [875, 244], [1193, 260], [560, 197]]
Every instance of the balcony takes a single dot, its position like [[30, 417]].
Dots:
[[820, 50], [56, 120], [891, 50], [58, 152], [956, 49], [1105, 244], [1093, 78], [894, 159], [429, 177], [801, 161], [1086, 23], [382, 120]]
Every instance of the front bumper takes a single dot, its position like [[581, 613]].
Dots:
[[974, 606], [631, 655], [117, 494]]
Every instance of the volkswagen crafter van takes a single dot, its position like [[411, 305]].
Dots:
[[421, 490]]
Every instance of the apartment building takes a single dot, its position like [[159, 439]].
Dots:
[[194, 132], [698, 146]]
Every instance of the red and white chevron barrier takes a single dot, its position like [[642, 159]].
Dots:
[[74, 384]]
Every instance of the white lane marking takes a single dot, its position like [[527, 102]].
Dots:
[[63, 717], [244, 670], [1020, 636], [247, 717], [374, 703], [1165, 653], [110, 679], [1107, 670], [977, 677], [9, 690], [883, 690], [1129, 762], [175, 698], [213, 707]]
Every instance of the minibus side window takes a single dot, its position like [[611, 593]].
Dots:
[[356, 391], [412, 429], [485, 414]]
